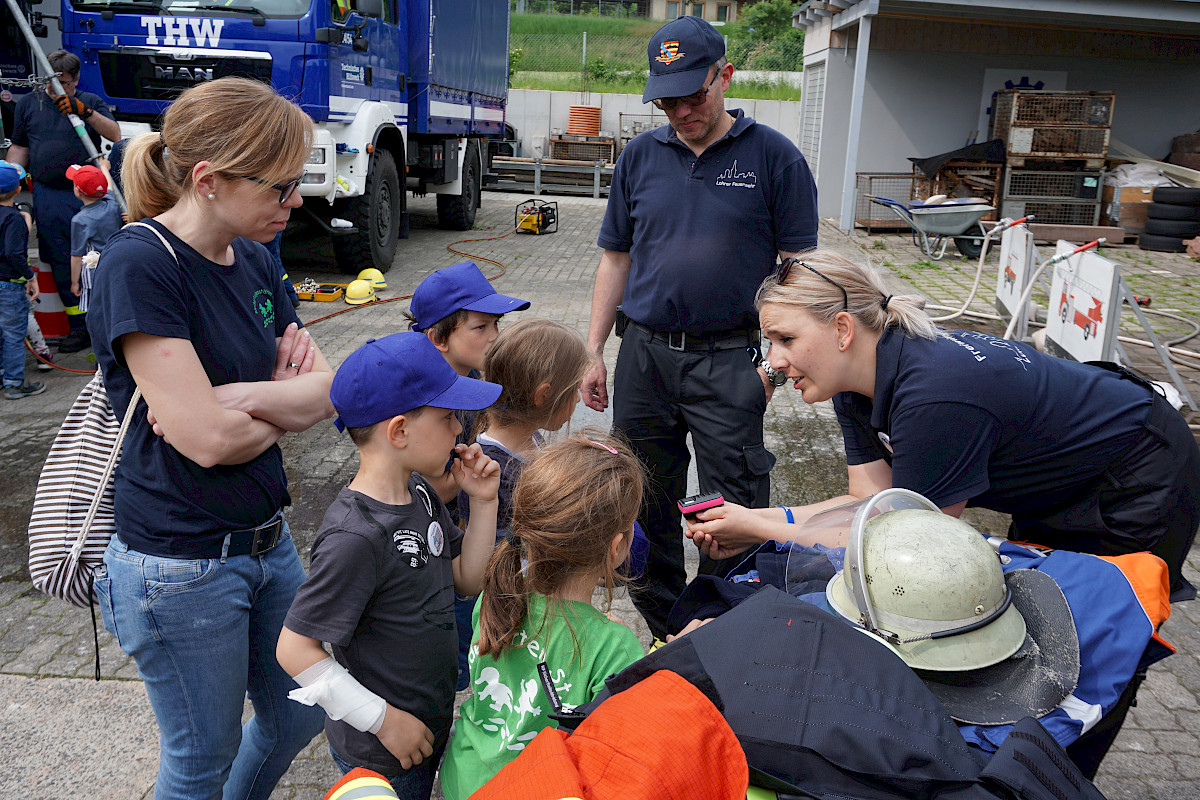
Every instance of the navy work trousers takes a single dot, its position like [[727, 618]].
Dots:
[[52, 211], [660, 395], [1147, 499]]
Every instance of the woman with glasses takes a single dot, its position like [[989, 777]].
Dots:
[[1084, 458], [189, 308]]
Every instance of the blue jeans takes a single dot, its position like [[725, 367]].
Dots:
[[412, 784], [203, 634], [14, 321]]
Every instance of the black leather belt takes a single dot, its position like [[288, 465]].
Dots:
[[683, 341], [253, 541]]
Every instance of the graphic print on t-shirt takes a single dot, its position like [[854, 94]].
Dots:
[[264, 304]]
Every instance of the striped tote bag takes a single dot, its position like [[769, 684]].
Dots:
[[72, 518]]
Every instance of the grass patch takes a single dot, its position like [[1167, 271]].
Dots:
[[635, 83], [561, 24]]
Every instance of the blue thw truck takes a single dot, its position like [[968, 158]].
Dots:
[[404, 93]]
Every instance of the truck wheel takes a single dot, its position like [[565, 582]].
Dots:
[[456, 212], [376, 215]]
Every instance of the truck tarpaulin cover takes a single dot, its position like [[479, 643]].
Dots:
[[469, 45]]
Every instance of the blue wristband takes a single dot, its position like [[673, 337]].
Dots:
[[791, 520]]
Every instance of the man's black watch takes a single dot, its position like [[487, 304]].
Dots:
[[774, 376]]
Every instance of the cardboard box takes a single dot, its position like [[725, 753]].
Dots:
[[1125, 206]]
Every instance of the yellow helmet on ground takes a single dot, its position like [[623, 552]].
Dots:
[[374, 276], [359, 292]]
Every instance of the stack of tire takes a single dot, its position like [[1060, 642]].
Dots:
[[1172, 218]]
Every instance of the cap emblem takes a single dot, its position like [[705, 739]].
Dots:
[[668, 52]]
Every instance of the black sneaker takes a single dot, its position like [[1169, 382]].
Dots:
[[45, 361], [26, 389], [75, 341]]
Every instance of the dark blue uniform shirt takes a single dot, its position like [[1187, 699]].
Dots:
[[14, 246], [993, 422], [702, 239], [52, 142], [167, 504]]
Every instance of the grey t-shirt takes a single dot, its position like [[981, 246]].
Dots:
[[380, 590], [94, 224]]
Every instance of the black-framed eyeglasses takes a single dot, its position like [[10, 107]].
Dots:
[[692, 100], [285, 189], [785, 269]]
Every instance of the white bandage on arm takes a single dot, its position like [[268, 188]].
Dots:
[[329, 685]]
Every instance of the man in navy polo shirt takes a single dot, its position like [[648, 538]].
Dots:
[[45, 144], [698, 212]]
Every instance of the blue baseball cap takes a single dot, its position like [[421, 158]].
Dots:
[[10, 176], [681, 53], [459, 286], [393, 375]]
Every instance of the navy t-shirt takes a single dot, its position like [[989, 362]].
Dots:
[[52, 142], [380, 590], [14, 246], [703, 231], [166, 504], [971, 417]]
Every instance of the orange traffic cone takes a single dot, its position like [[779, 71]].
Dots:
[[48, 308]]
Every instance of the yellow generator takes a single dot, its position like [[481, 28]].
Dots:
[[536, 216]]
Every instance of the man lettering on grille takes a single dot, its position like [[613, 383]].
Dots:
[[698, 212], [45, 144]]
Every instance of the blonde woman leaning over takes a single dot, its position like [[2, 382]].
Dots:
[[1084, 457]]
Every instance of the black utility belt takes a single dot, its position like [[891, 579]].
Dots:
[[736, 339]]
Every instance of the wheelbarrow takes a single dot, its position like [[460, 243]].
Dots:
[[935, 224]]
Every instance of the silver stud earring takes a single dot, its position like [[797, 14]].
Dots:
[[212, 196]]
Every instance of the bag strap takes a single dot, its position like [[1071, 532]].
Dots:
[[157, 233], [111, 464]]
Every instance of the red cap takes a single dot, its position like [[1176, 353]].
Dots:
[[89, 180]]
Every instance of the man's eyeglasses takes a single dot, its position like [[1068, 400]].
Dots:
[[692, 100], [285, 189], [785, 269]]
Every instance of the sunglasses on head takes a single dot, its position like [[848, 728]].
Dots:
[[785, 269]]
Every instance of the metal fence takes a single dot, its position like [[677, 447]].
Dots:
[[613, 63]]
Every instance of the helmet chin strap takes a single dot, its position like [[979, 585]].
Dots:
[[887, 500]]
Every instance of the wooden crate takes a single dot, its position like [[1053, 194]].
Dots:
[[962, 179], [575, 150], [1125, 207]]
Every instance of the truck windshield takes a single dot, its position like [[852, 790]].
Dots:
[[265, 8]]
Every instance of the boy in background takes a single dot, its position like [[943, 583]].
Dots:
[[387, 561], [460, 311], [92, 225], [17, 289]]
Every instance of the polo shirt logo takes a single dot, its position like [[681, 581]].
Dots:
[[732, 177], [668, 52]]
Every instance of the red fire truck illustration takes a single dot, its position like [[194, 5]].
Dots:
[[1090, 321], [1010, 277]]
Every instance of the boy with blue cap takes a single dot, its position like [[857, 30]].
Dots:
[[17, 288], [459, 310], [387, 560]]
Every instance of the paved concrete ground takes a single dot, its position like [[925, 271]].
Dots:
[[66, 736]]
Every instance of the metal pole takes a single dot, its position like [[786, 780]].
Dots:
[[849, 190], [583, 67], [44, 66]]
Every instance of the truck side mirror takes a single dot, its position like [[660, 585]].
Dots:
[[369, 8]]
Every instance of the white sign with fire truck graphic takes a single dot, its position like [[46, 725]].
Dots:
[[1016, 254], [1081, 323]]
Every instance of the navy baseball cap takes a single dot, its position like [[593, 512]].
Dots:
[[10, 176], [681, 53], [459, 286], [393, 375]]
